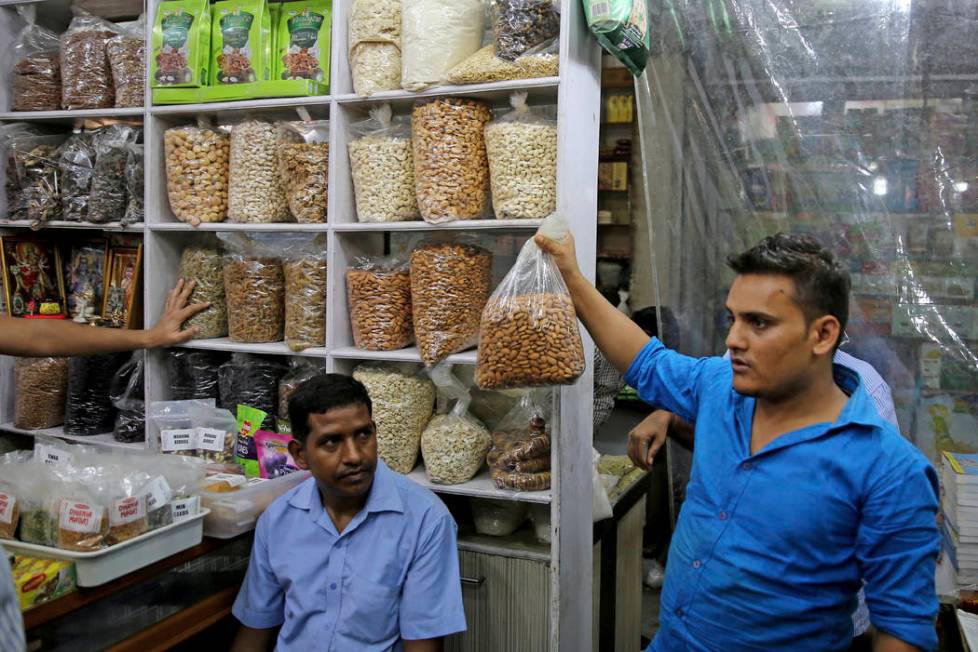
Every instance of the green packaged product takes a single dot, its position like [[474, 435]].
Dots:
[[241, 42], [302, 40], [181, 44], [622, 29]]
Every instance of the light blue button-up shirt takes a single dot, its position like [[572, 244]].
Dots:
[[391, 575], [770, 548]]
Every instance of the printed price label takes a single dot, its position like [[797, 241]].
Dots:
[[157, 492], [185, 508], [51, 455], [7, 503], [174, 441], [81, 517], [127, 510], [255, 481], [211, 439]]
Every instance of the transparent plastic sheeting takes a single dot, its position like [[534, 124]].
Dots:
[[854, 121]]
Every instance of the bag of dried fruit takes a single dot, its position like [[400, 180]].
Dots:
[[304, 268], [35, 80], [520, 455], [529, 335], [303, 168], [454, 445], [254, 286]]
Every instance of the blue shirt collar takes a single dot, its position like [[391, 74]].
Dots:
[[384, 496], [859, 409]]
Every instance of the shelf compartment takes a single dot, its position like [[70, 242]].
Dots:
[[481, 486], [271, 348], [410, 354], [135, 227], [105, 439], [69, 116]]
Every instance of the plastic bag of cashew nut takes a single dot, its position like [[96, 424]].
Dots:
[[382, 167], [255, 191], [304, 268], [529, 335], [374, 38], [454, 444], [522, 151], [303, 168], [254, 287], [450, 284], [378, 292]]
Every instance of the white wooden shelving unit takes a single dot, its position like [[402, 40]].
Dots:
[[577, 95]]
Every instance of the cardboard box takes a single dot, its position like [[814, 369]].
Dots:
[[42, 580]]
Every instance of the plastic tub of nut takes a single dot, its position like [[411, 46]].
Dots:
[[237, 512]]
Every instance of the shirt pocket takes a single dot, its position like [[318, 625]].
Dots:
[[370, 611]]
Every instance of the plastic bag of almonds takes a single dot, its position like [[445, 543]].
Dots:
[[521, 26], [382, 167], [255, 193], [451, 173], [374, 38], [86, 78], [453, 445], [529, 334], [197, 173], [35, 81], [450, 284], [378, 292], [303, 168], [522, 151], [127, 60], [485, 66], [403, 401], [204, 264], [107, 196], [40, 388], [254, 286], [304, 268]]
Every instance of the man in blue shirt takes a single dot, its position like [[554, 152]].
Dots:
[[355, 558], [798, 488]]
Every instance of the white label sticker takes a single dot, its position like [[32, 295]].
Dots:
[[185, 508], [184, 439], [81, 517], [157, 492], [127, 510], [7, 503], [255, 481], [211, 439], [231, 478], [51, 455]]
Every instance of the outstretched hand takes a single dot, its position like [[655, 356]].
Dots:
[[167, 331]]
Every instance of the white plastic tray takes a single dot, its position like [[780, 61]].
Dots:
[[102, 566]]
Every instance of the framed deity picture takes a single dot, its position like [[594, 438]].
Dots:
[[85, 275], [33, 284], [122, 305]]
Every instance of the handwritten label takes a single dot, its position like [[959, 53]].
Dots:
[[127, 510], [157, 492], [7, 503], [51, 455], [185, 508], [211, 439], [175, 441], [81, 517]]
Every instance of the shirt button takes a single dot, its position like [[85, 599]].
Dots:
[[723, 516], [333, 586], [679, 612], [746, 466], [697, 563]]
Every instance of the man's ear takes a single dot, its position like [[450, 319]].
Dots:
[[827, 331], [298, 453]]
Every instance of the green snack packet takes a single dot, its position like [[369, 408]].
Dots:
[[241, 42], [181, 44], [302, 41], [249, 422], [622, 29]]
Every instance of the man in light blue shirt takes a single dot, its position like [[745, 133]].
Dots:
[[798, 488], [357, 557]]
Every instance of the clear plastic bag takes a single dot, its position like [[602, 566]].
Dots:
[[13, 466], [75, 165], [521, 440], [379, 296], [521, 26], [254, 286], [194, 374], [86, 78], [450, 284], [171, 427], [304, 268], [382, 167], [40, 388], [35, 81], [107, 197], [453, 445], [374, 41], [88, 410], [485, 66], [253, 381], [83, 519], [451, 172], [435, 36], [522, 150], [197, 173], [303, 167], [497, 518], [126, 394], [204, 265], [217, 434], [127, 506], [36, 158], [171, 487], [403, 401], [529, 334], [255, 192], [38, 498], [10, 134], [127, 60], [301, 370], [135, 211]]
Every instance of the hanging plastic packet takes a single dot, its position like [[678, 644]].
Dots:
[[382, 167], [378, 293], [453, 445], [303, 168], [622, 29], [529, 335], [126, 394], [35, 80]]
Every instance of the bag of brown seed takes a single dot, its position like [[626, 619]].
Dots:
[[86, 78], [254, 285], [127, 60], [40, 388], [203, 263], [304, 268], [303, 169], [529, 335], [378, 292], [35, 81]]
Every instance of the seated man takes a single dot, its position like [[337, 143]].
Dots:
[[357, 557]]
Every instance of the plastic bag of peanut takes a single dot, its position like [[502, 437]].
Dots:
[[450, 284], [529, 335], [379, 294]]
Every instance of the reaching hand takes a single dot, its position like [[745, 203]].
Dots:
[[167, 331], [645, 439], [563, 252]]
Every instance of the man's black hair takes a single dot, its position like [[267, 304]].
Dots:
[[319, 395], [821, 282]]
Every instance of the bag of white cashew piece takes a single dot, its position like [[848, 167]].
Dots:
[[403, 400], [303, 169], [382, 166], [255, 193], [522, 151], [436, 35], [485, 66], [454, 445], [374, 38]]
